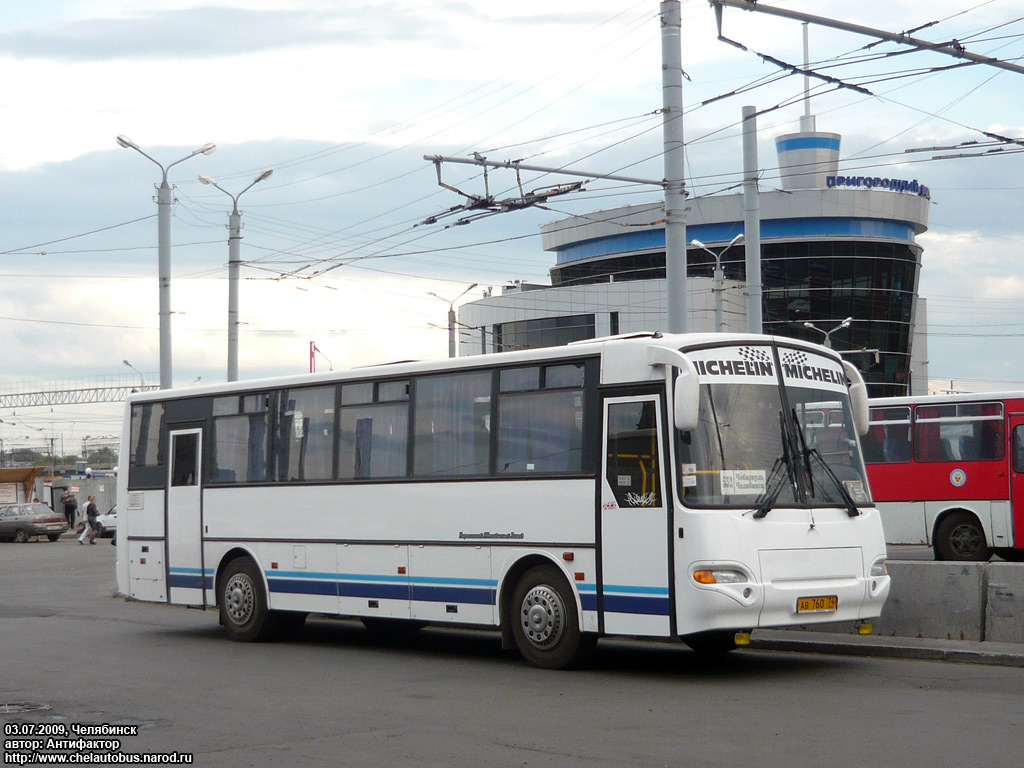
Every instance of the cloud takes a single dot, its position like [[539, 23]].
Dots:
[[209, 32]]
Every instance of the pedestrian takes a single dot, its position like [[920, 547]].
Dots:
[[91, 513], [70, 506]]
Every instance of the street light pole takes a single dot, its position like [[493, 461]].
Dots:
[[828, 334], [719, 280], [142, 379], [234, 262], [164, 199], [451, 317]]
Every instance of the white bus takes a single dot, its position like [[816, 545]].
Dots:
[[649, 486]]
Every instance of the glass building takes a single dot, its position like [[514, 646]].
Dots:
[[832, 247]]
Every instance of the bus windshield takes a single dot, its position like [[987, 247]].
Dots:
[[766, 440]]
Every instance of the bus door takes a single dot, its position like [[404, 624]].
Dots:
[[633, 594], [185, 517], [1017, 478]]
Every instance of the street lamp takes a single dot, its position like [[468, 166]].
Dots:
[[828, 334], [163, 207], [451, 316], [142, 379], [719, 279], [234, 242]]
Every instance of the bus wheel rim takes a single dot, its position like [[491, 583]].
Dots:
[[965, 540], [543, 617], [239, 599]]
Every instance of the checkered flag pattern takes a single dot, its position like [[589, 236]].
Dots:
[[799, 358], [751, 355]]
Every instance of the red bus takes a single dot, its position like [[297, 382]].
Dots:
[[948, 470]]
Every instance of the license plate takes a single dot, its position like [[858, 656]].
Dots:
[[826, 604]]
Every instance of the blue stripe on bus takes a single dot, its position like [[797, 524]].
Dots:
[[372, 577], [387, 591], [634, 590], [296, 587], [438, 589], [189, 581], [652, 606], [454, 595], [384, 591], [335, 576]]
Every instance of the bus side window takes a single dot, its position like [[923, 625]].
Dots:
[[991, 440], [872, 444], [1018, 448], [888, 438], [896, 446]]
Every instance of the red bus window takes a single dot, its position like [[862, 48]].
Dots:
[[987, 409], [961, 432], [888, 437]]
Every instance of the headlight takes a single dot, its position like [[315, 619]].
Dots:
[[878, 568], [719, 576]]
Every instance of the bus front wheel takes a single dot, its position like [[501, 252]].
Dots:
[[959, 536], [243, 603], [545, 622]]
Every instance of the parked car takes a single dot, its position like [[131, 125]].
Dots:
[[106, 524], [21, 522]]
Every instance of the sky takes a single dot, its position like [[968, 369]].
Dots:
[[343, 100]]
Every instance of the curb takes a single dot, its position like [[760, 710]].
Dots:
[[924, 649]]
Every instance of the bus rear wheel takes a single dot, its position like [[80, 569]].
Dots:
[[243, 603], [545, 622], [959, 536]]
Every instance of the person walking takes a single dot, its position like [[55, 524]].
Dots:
[[91, 513], [70, 506]]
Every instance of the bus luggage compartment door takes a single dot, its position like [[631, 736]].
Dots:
[[146, 571]]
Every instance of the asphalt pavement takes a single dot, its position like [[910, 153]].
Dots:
[[879, 646]]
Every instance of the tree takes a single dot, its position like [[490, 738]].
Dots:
[[26, 457], [102, 457]]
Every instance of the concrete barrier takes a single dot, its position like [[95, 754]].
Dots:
[[949, 601], [1004, 608]]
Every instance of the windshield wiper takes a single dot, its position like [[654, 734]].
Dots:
[[776, 477], [851, 506], [804, 452], [813, 453]]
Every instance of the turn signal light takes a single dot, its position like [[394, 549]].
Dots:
[[719, 576]]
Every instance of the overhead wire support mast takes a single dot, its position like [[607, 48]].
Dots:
[[487, 205], [517, 165], [953, 48]]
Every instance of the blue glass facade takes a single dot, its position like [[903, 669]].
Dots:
[[819, 270]]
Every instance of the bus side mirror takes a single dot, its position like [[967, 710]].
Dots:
[[858, 398], [686, 400]]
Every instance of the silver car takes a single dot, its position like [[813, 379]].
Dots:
[[21, 522]]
